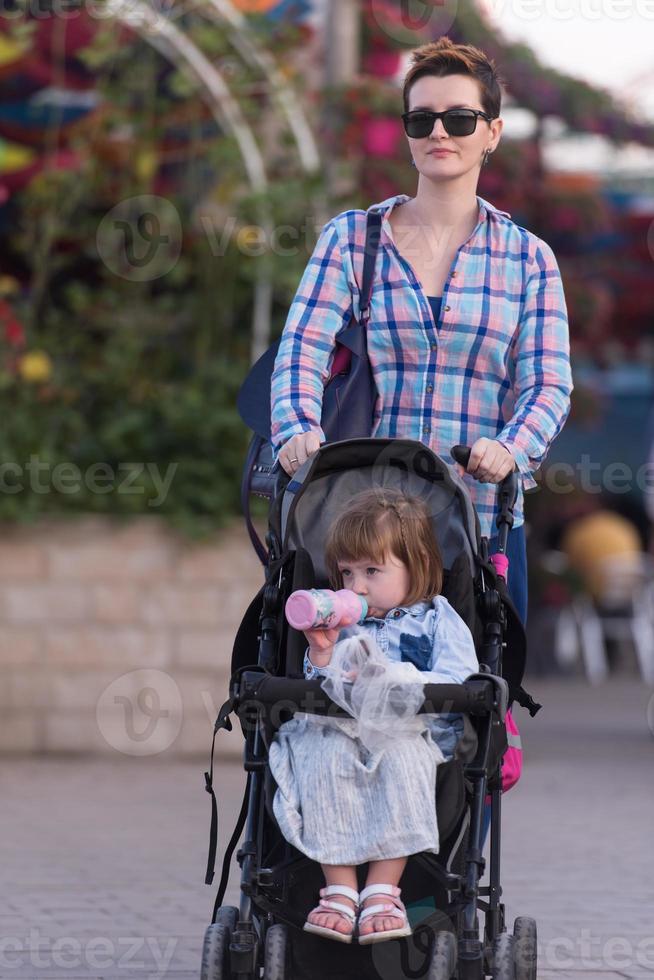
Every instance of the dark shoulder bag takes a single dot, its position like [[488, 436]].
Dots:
[[348, 401]]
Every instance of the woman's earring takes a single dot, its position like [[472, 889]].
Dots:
[[486, 156], [413, 162]]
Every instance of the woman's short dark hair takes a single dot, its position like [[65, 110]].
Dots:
[[444, 57]]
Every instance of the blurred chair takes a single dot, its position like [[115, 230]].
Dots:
[[604, 549]]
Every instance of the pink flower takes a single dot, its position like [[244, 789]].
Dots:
[[13, 329]]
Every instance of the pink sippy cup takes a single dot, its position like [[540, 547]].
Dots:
[[310, 609]]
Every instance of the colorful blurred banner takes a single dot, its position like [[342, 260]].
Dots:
[[288, 10]]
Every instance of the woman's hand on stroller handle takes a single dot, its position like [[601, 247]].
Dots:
[[297, 450], [487, 460]]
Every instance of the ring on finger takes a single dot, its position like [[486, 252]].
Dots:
[[294, 460]]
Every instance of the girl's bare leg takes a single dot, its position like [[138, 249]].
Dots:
[[336, 874], [383, 873]]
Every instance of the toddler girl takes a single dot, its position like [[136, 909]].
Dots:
[[344, 801]]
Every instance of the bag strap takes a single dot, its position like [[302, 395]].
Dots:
[[222, 721], [256, 443], [373, 236], [371, 248], [233, 841]]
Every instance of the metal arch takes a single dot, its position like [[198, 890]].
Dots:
[[163, 35], [250, 51]]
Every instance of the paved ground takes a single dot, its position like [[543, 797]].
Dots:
[[102, 864]]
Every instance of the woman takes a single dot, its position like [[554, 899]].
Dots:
[[468, 332]]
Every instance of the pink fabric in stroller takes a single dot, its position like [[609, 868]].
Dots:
[[512, 761]]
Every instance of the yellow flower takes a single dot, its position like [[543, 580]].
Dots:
[[8, 285], [146, 165], [35, 366], [11, 50]]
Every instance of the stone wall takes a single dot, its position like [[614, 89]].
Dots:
[[117, 637]]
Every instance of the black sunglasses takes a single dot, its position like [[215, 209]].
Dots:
[[456, 122]]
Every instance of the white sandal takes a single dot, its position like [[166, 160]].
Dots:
[[392, 893], [345, 910]]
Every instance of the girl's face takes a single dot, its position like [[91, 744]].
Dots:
[[464, 152], [383, 585]]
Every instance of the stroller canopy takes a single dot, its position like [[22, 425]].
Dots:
[[322, 487]]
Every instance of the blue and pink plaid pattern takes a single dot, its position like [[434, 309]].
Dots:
[[495, 365]]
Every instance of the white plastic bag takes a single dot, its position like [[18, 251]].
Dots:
[[381, 695]]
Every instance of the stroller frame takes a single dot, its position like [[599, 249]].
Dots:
[[238, 940]]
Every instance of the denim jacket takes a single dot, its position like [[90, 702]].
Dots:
[[434, 638]]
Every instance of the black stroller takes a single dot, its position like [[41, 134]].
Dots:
[[442, 893]]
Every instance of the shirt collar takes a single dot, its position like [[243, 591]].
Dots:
[[398, 611], [485, 207]]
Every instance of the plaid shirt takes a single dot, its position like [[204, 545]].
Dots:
[[495, 365]]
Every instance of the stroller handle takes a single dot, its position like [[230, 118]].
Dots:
[[507, 492]]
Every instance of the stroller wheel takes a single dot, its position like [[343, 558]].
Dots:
[[526, 948], [227, 915], [503, 958], [443, 956], [276, 954], [215, 953]]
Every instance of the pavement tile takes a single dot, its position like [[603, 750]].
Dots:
[[111, 853]]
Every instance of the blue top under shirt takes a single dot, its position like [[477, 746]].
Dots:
[[435, 303]]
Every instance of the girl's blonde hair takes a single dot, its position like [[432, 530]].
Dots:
[[381, 522]]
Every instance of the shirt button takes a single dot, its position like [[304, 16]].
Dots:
[[426, 429], [434, 345], [430, 388], [397, 614], [453, 275], [447, 309]]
